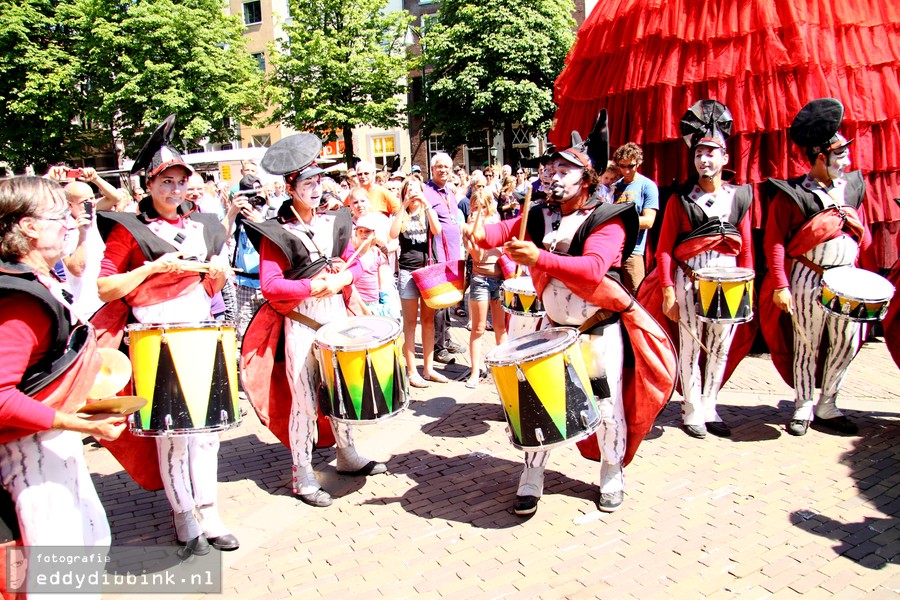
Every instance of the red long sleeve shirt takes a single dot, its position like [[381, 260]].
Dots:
[[275, 286]]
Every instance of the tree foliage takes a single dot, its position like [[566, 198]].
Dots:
[[99, 72], [343, 63], [491, 64]]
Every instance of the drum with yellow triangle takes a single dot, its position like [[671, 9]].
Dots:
[[545, 389], [725, 294], [362, 366], [519, 298], [188, 372]]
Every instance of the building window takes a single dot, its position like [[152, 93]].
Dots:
[[260, 141], [260, 60], [252, 12], [435, 145], [383, 150]]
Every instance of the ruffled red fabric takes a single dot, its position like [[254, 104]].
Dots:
[[640, 59]]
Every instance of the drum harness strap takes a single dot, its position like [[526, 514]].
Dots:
[[304, 320], [810, 265]]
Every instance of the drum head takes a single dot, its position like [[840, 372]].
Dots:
[[357, 333], [520, 285], [724, 274], [858, 284], [532, 346]]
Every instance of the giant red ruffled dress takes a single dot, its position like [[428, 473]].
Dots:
[[646, 61]]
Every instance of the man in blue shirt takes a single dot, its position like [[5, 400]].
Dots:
[[642, 191]]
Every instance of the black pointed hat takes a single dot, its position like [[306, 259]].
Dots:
[[706, 123], [293, 157], [158, 154], [815, 127], [597, 142]]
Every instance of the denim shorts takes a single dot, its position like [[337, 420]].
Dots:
[[407, 287], [485, 288]]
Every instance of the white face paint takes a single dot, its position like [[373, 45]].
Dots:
[[565, 182], [838, 163], [709, 161], [309, 191]]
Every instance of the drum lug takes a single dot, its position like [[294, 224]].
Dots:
[[168, 421], [223, 417], [539, 435], [585, 419], [520, 374]]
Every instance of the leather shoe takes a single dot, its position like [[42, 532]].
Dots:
[[371, 468], [198, 546], [611, 501], [455, 348], [225, 542], [525, 505], [319, 498], [718, 429], [695, 431], [840, 424], [798, 427], [444, 357]]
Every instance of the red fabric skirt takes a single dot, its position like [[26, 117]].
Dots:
[[640, 59]]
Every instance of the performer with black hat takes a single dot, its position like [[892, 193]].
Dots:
[[140, 278], [707, 225], [302, 276], [815, 222], [573, 247]]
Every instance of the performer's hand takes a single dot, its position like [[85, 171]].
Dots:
[[103, 426], [783, 300], [219, 267], [167, 263], [670, 304], [329, 285], [522, 252]]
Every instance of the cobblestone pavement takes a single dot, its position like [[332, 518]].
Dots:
[[760, 515]]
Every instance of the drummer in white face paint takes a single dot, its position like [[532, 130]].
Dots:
[[706, 225], [302, 276], [140, 275], [572, 243], [815, 222]]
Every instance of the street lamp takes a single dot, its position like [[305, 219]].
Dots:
[[493, 151]]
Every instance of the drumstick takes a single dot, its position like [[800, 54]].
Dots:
[[694, 335], [799, 330], [525, 208], [364, 246], [199, 267]]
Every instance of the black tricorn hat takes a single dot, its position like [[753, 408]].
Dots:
[[706, 123], [158, 154], [293, 157], [816, 126]]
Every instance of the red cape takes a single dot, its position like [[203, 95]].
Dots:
[[264, 375], [648, 385]]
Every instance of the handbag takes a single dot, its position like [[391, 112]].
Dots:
[[441, 284]]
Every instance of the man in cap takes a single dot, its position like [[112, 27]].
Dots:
[[706, 225], [815, 223], [573, 248], [302, 275], [249, 204], [141, 267]]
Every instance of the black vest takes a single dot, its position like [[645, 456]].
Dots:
[[702, 225], [810, 203], [151, 245], [602, 213], [301, 266], [66, 341]]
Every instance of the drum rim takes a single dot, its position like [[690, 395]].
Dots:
[[211, 324], [380, 419], [519, 313], [560, 444], [835, 271], [507, 283], [742, 274], [182, 431], [375, 344], [491, 361]]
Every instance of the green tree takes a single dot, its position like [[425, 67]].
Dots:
[[38, 72], [344, 63], [492, 64], [90, 74]]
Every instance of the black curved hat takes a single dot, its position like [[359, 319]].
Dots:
[[706, 123], [158, 154], [293, 157], [816, 126]]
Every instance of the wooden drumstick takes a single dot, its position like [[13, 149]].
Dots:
[[362, 247], [526, 206], [694, 335], [799, 330]]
